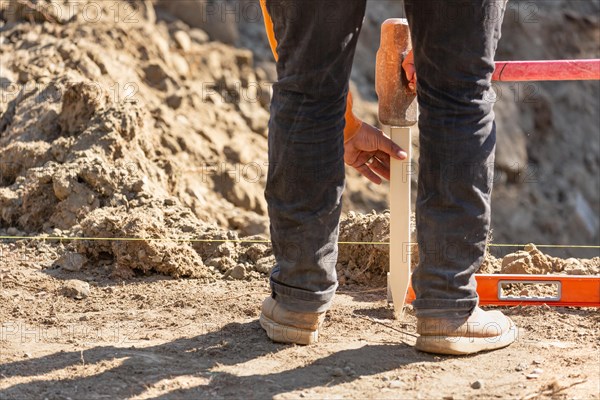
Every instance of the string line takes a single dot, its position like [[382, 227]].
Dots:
[[242, 241]]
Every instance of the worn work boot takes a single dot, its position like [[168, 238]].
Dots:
[[286, 326], [482, 330]]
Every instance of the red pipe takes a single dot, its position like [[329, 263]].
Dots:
[[551, 70]]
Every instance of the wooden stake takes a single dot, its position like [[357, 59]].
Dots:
[[400, 211]]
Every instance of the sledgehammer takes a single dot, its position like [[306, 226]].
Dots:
[[397, 113]]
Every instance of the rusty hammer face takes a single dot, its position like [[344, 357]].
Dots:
[[397, 104]]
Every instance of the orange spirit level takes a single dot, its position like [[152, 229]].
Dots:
[[529, 290]]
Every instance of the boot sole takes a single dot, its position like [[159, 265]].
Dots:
[[461, 345], [287, 334]]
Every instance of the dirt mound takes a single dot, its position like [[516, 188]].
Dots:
[[131, 130], [532, 261], [362, 263]]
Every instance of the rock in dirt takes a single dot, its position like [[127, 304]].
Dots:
[[535, 373], [527, 261], [174, 101], [521, 367], [76, 289], [183, 40], [265, 264], [81, 102], [70, 262], [198, 36], [238, 272], [572, 266], [180, 65], [479, 384], [397, 384]]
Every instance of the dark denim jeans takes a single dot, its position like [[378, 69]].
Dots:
[[454, 43]]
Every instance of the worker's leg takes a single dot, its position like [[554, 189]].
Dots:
[[315, 47], [454, 44]]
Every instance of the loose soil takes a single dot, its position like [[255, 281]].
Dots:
[[164, 338]]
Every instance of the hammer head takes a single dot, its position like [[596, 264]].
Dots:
[[397, 104]]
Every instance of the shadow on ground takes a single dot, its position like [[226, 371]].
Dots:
[[201, 357]]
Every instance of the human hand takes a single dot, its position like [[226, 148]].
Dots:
[[369, 152], [409, 69]]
